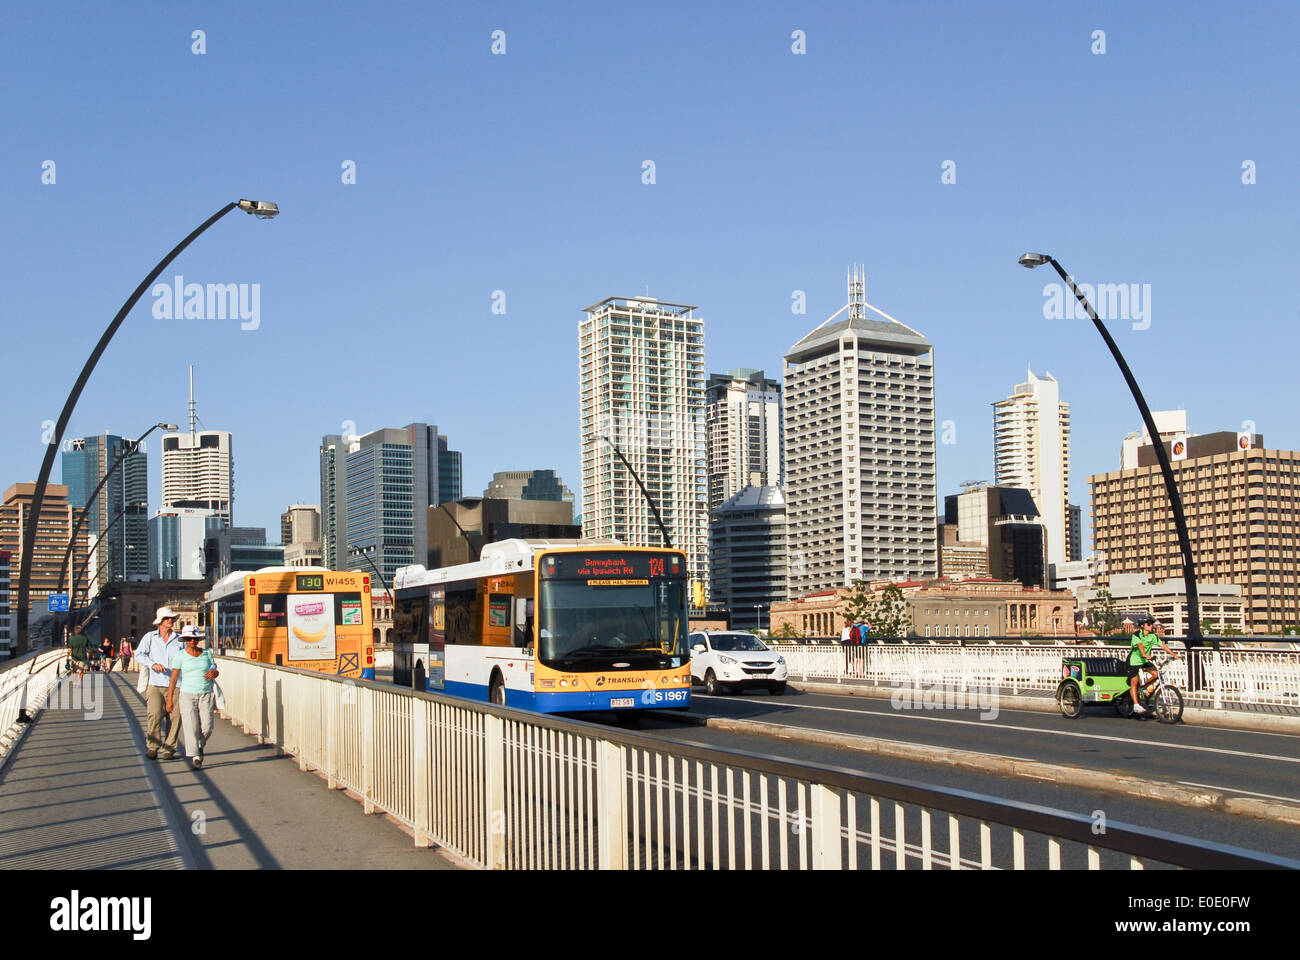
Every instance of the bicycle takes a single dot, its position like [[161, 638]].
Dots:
[[1164, 699], [1088, 680]]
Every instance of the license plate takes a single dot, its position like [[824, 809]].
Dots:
[[621, 702]]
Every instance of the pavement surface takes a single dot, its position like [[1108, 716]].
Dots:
[[79, 794]]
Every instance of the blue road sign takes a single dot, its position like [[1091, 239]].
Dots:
[[58, 603]]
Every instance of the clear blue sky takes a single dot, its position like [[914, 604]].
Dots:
[[523, 173]]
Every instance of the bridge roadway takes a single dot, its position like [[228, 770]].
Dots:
[[78, 793], [1264, 765]]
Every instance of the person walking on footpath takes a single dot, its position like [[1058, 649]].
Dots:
[[106, 654], [78, 653], [156, 653], [124, 651], [193, 670]]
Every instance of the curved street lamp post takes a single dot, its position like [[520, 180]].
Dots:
[[263, 210], [1194, 636]]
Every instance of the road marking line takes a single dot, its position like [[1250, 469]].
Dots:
[[986, 724], [1249, 793]]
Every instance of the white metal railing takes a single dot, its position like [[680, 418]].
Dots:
[[513, 790], [1236, 677], [25, 685]]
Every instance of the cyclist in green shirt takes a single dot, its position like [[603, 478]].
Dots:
[[1140, 649]]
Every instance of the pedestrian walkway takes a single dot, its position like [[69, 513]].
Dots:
[[78, 793]]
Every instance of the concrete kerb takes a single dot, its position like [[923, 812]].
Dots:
[[1201, 716]]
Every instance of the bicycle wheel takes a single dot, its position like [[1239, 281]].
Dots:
[[1070, 700], [1169, 705]]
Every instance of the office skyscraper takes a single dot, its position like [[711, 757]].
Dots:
[[198, 468], [117, 522], [1031, 450], [54, 530], [1240, 499], [375, 493], [743, 431], [334, 449], [859, 451], [527, 485], [300, 524], [641, 384]]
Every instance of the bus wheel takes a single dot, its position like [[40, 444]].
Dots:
[[628, 718], [497, 691]]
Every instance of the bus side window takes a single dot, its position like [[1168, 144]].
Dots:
[[523, 621]]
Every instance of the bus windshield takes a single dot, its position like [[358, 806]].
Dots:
[[582, 621]]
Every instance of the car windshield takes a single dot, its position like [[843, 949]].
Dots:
[[736, 643], [578, 620]]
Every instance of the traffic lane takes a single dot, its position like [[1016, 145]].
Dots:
[[1266, 836], [1259, 764]]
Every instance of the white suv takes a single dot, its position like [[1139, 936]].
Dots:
[[732, 660]]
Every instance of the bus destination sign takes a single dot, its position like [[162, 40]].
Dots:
[[629, 567]]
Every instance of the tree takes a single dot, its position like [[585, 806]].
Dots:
[[886, 611], [788, 631], [1105, 616]]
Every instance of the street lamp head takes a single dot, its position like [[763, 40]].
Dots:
[[262, 209], [1031, 260], [169, 427]]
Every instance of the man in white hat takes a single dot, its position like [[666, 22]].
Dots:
[[155, 654]]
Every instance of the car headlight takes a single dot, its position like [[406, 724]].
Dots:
[[781, 661], [722, 659]]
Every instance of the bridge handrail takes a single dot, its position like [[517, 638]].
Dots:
[[24, 685], [1245, 679], [507, 788]]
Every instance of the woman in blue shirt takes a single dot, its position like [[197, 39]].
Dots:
[[193, 670]]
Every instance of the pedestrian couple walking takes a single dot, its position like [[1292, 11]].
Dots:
[[174, 661]]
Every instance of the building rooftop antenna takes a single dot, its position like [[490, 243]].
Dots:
[[857, 293]]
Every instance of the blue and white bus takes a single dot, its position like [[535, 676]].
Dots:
[[552, 626]]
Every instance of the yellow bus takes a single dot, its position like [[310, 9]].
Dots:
[[306, 617], [552, 626]]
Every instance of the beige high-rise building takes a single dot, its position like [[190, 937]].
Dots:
[[641, 384], [859, 451], [198, 471], [1031, 450], [54, 528], [1242, 504], [300, 524]]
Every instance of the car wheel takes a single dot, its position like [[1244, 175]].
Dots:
[[1124, 705], [778, 689], [711, 685]]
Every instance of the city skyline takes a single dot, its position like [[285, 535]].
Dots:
[[776, 188]]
